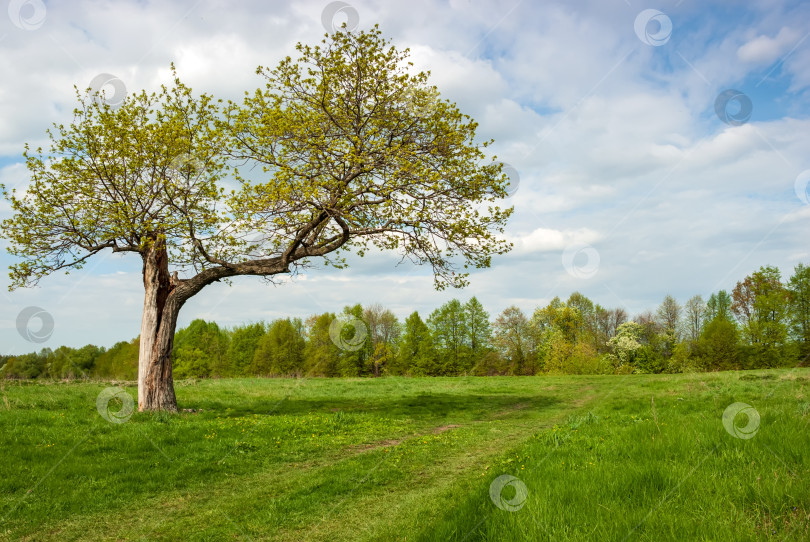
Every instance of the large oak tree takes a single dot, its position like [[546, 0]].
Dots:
[[344, 149]]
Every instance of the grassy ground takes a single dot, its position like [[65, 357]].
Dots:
[[638, 457]]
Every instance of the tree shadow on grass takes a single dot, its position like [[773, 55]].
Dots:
[[419, 406]]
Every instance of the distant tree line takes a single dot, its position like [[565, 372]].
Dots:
[[764, 322]]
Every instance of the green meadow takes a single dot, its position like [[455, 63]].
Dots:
[[635, 457]]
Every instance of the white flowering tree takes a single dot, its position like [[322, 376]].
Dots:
[[625, 345]]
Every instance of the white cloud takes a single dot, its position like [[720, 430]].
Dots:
[[766, 49], [549, 240]]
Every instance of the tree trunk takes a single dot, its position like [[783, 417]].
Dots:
[[160, 310]]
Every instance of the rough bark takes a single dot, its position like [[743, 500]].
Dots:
[[160, 310]]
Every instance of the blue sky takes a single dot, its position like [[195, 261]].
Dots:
[[631, 186]]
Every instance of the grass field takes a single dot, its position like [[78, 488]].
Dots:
[[638, 457]]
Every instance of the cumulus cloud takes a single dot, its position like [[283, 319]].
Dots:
[[550, 240], [766, 49]]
